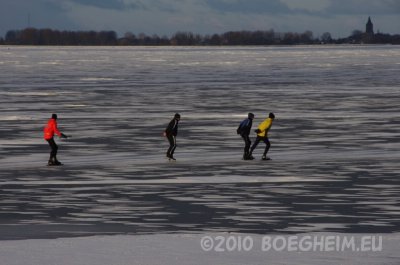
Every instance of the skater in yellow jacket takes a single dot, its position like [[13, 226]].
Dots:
[[262, 135]]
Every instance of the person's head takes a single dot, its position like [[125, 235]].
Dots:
[[271, 115], [54, 116], [177, 116], [250, 116]]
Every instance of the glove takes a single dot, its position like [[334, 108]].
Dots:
[[64, 136], [257, 131]]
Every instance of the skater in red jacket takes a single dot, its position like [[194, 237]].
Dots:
[[49, 131]]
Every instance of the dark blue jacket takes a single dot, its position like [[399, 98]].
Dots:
[[172, 128], [245, 127]]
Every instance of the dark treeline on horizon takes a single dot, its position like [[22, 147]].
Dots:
[[33, 36]]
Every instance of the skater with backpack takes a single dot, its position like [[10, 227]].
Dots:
[[49, 130], [244, 131], [262, 135], [171, 132]]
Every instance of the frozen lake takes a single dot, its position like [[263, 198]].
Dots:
[[335, 141]]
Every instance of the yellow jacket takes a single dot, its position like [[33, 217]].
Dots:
[[264, 127]]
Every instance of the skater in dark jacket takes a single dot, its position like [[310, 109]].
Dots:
[[49, 130], [244, 131], [171, 132]]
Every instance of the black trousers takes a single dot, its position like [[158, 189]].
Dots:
[[265, 140], [247, 144], [54, 149], [172, 145]]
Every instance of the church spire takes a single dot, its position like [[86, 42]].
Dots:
[[369, 29]]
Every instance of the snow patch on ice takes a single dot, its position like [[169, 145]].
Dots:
[[99, 79], [179, 249], [15, 118]]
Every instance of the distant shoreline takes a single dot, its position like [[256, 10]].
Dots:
[[49, 37], [203, 46]]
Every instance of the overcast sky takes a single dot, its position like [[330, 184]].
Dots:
[[165, 17]]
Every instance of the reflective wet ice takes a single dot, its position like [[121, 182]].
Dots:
[[335, 145]]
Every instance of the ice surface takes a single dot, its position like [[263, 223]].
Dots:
[[179, 249], [335, 145]]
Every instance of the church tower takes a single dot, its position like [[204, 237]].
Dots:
[[369, 29]]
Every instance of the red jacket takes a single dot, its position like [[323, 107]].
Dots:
[[50, 129]]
